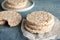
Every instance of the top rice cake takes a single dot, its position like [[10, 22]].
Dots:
[[40, 18], [17, 2]]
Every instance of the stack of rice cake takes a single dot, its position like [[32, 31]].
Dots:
[[39, 22], [16, 3]]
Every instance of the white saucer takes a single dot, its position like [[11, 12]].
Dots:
[[29, 6]]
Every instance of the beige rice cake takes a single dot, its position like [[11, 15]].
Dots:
[[40, 18], [41, 21], [16, 3], [40, 31], [38, 27], [13, 18]]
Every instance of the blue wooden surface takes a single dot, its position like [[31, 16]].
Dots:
[[7, 33]]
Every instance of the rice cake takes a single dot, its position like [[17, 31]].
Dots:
[[40, 18], [13, 18], [16, 3], [40, 31], [39, 27]]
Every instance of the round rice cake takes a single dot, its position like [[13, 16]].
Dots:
[[15, 6], [16, 3], [40, 18], [40, 31], [13, 18], [39, 27]]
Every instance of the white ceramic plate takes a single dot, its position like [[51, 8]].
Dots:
[[29, 6]]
